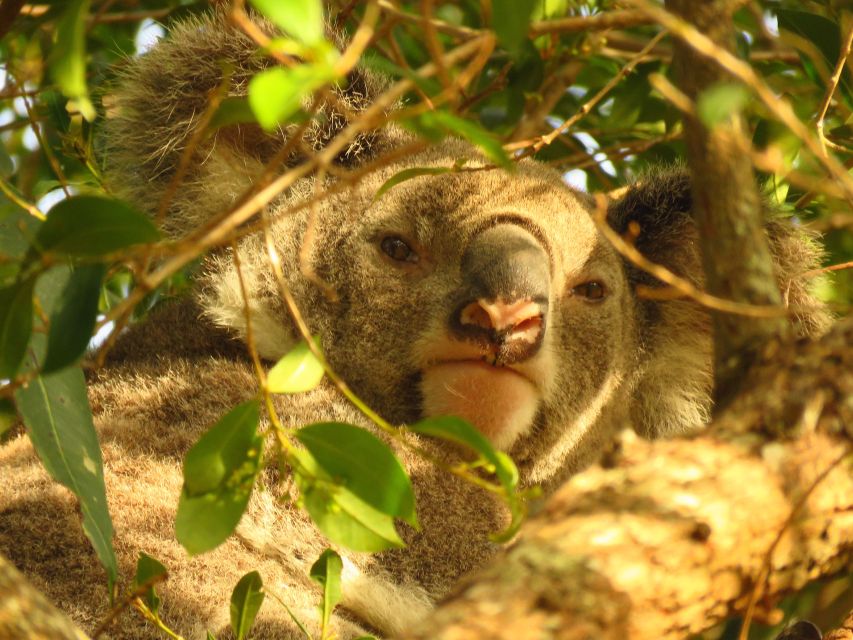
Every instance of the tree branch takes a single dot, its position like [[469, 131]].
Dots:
[[678, 535]]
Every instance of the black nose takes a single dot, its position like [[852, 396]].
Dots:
[[504, 298]]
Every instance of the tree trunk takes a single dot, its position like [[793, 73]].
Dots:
[[726, 203]]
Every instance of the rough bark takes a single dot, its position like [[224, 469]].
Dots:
[[26, 613], [674, 536], [726, 203]]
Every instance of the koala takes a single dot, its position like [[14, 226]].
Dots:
[[477, 293]]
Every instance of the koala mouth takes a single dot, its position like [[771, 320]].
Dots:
[[500, 401]]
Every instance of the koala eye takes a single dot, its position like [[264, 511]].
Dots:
[[397, 249], [591, 290]]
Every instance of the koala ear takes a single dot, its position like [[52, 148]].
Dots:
[[658, 209], [672, 389]]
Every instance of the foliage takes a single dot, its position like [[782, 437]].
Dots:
[[76, 262]]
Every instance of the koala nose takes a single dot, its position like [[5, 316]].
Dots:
[[504, 302]]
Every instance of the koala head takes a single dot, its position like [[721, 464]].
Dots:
[[480, 293]]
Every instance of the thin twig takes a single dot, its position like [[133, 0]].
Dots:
[[834, 267], [125, 602], [584, 24], [833, 85], [534, 145]]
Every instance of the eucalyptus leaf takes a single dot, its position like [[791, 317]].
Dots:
[[68, 59], [16, 325], [297, 371], [246, 600], [219, 473], [338, 513], [73, 322], [408, 174], [90, 226], [303, 19], [721, 101], [55, 410], [326, 571], [511, 19], [443, 122], [148, 569], [363, 464], [277, 94]]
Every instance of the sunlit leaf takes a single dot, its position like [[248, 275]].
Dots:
[[344, 518], [56, 412], [298, 371], [363, 464], [326, 571], [303, 19], [440, 123], [148, 569], [68, 59], [277, 94], [219, 473], [246, 600]]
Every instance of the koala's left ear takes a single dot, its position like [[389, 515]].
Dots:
[[672, 387], [658, 208]]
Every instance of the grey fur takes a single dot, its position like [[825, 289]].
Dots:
[[601, 365]]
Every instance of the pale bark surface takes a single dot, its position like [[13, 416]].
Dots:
[[671, 539], [26, 613]]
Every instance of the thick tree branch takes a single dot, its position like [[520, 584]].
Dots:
[[26, 613], [726, 203], [678, 535]]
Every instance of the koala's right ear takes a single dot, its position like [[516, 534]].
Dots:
[[672, 387]]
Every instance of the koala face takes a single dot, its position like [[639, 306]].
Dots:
[[481, 294]]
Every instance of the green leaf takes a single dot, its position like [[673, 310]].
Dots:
[[219, 473], [7, 166], [56, 412], [461, 432], [510, 20], [232, 111], [822, 32], [91, 226], [366, 466], [246, 599], [344, 518], [719, 102], [303, 19], [8, 417], [68, 59], [408, 174], [276, 94], [443, 122], [210, 636], [298, 371], [148, 569], [73, 322], [16, 325], [326, 571]]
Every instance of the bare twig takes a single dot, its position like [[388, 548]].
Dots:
[[534, 145], [125, 602], [598, 22], [833, 85]]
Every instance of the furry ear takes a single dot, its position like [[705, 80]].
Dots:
[[673, 385], [675, 379], [160, 98]]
